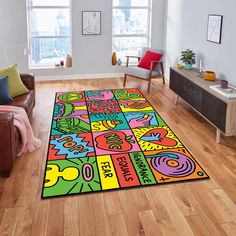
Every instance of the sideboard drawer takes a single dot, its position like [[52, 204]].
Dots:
[[214, 110], [192, 94], [176, 82]]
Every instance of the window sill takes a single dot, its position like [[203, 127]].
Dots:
[[122, 65], [49, 68]]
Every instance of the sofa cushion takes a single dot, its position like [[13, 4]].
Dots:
[[4, 95], [25, 101], [139, 72], [15, 84]]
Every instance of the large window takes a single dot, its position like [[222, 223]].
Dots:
[[131, 26], [49, 31]]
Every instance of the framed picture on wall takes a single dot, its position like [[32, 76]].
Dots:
[[214, 28], [91, 22]]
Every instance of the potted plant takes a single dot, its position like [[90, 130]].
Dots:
[[188, 57]]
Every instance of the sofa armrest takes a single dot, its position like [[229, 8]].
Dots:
[[7, 143], [28, 80]]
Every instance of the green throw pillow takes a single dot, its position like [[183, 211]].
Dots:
[[15, 84]]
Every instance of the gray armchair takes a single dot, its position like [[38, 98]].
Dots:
[[145, 74]]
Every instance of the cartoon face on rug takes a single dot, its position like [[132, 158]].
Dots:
[[69, 109], [99, 95], [71, 97], [143, 119], [71, 176], [53, 174], [127, 93]]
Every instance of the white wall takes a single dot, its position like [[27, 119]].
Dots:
[[91, 54], [13, 36], [157, 28], [186, 27]]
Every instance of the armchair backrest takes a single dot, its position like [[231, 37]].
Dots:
[[160, 51]]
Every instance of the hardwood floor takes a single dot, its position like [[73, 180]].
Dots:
[[204, 207]]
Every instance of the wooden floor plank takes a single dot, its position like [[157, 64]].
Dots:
[[197, 225], [178, 219], [71, 223], [101, 218], [118, 225], [229, 228], [204, 210], [40, 218], [210, 203], [56, 213], [156, 203], [24, 223], [167, 228], [130, 212], [9, 221], [112, 202], [86, 215], [226, 203], [150, 226], [182, 201]]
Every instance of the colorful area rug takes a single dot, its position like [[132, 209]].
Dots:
[[112, 139]]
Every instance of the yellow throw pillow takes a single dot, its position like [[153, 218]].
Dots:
[[15, 84]]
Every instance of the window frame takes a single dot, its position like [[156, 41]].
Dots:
[[30, 37], [149, 23]]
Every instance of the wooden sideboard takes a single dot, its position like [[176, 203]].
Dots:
[[218, 110]]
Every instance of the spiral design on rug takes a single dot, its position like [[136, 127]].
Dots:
[[173, 164]]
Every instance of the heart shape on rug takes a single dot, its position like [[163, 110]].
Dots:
[[158, 136]]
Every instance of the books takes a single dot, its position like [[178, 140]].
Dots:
[[230, 92]]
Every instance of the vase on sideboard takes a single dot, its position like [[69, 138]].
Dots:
[[188, 66], [114, 59]]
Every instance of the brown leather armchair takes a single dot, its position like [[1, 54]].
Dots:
[[9, 134]]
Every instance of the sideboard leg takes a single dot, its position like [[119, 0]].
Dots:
[[217, 135], [176, 99]]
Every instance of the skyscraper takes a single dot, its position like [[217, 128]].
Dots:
[[126, 11]]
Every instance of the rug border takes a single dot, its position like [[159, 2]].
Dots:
[[123, 188], [45, 168]]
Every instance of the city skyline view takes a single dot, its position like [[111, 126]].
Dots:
[[50, 30]]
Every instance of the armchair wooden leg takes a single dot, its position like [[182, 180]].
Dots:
[[149, 85], [163, 79], [124, 80]]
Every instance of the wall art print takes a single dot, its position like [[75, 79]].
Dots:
[[91, 22], [214, 28]]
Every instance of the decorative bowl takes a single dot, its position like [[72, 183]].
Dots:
[[209, 75]]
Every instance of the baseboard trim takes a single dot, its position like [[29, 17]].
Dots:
[[78, 77]]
